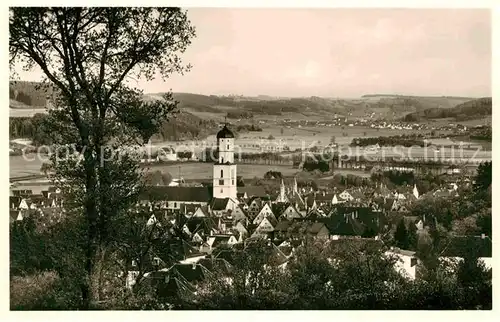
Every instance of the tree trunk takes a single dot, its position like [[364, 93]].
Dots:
[[88, 289]]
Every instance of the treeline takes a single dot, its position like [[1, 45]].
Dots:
[[183, 126], [186, 126], [481, 133], [399, 178], [36, 128], [211, 155], [248, 128], [312, 164], [399, 140], [239, 115], [466, 111]]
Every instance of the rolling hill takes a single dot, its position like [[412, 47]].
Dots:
[[27, 95], [470, 110]]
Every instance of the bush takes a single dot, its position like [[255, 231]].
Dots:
[[42, 291]]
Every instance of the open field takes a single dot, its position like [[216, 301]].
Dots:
[[204, 171], [25, 112]]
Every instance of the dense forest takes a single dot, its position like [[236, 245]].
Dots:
[[467, 111], [183, 126], [30, 93]]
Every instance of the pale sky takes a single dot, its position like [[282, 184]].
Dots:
[[335, 52]]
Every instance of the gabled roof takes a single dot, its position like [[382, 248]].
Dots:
[[356, 194], [188, 208], [310, 201], [13, 214], [219, 204], [197, 224], [283, 225], [253, 191], [217, 240], [216, 265], [272, 220], [226, 255], [341, 224], [325, 198]]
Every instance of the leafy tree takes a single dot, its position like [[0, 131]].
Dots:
[[484, 177], [401, 236], [92, 52], [273, 175], [167, 178], [412, 237]]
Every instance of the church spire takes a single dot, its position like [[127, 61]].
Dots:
[[415, 191], [282, 196]]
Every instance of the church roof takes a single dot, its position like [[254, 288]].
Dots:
[[200, 194], [225, 133]]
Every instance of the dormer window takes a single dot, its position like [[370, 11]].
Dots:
[[156, 261]]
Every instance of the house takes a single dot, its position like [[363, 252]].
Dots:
[[241, 229], [265, 227], [200, 212], [219, 206], [16, 215], [254, 207], [187, 209], [265, 212], [324, 198], [238, 214], [25, 204], [337, 200], [204, 226], [343, 223], [14, 202], [407, 262], [301, 229], [459, 247], [382, 191], [178, 281], [291, 213], [345, 195], [215, 241]]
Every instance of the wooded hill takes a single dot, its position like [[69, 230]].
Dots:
[[473, 109]]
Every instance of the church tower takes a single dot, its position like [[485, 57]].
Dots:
[[224, 175]]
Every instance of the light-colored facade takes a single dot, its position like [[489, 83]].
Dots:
[[224, 171]]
